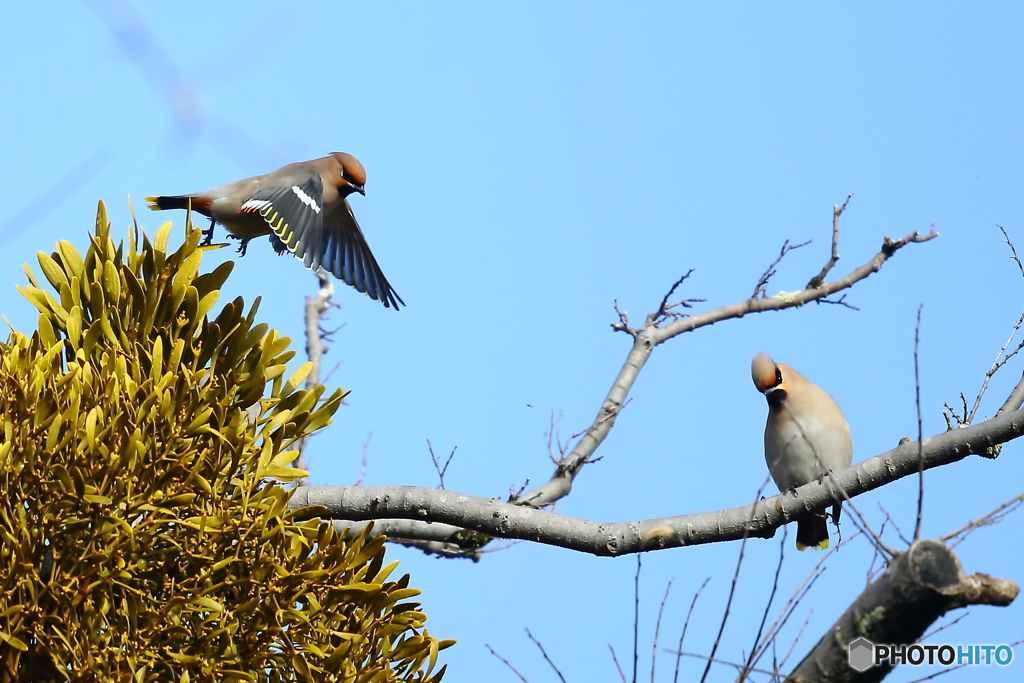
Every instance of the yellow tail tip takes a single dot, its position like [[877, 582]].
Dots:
[[821, 546], [153, 203]]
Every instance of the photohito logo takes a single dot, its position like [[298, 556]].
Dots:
[[864, 654]]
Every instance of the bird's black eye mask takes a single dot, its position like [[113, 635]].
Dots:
[[774, 393], [345, 175]]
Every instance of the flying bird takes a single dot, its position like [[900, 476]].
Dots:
[[805, 438], [304, 209]]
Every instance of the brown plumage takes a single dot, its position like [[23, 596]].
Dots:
[[805, 436], [305, 210]]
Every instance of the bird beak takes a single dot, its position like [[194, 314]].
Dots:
[[359, 189]]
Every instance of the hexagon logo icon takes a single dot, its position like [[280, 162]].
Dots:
[[861, 654]]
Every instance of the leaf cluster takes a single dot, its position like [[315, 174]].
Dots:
[[144, 531]]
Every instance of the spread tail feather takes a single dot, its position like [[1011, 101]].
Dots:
[[812, 532], [162, 203], [182, 201]]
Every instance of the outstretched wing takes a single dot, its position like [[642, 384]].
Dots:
[[344, 252], [295, 215], [293, 212]]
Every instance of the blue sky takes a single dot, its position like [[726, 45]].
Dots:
[[527, 165]]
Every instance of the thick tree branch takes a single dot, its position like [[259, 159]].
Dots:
[[442, 540], [1016, 398], [918, 587], [505, 520]]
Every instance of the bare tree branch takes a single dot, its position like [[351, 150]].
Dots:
[[365, 458], [760, 289], [505, 520], [441, 470], [920, 586], [837, 211], [657, 629], [545, 655], [998, 363], [315, 349], [1013, 249], [749, 664], [636, 615], [1015, 399], [650, 336], [725, 611], [686, 625], [920, 428], [618, 667], [993, 517], [506, 662]]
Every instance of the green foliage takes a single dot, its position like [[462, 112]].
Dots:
[[142, 533]]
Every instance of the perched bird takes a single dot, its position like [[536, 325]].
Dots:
[[305, 210], [806, 437]]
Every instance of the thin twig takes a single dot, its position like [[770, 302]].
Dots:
[[996, 365], [928, 635], [725, 613], [617, 666], [762, 282], [623, 324], [794, 600], [1013, 249], [799, 635], [890, 520], [748, 666], [861, 522], [513, 494], [819, 279], [554, 434], [636, 615], [841, 301], [545, 654], [920, 427], [665, 305], [362, 466], [787, 612], [686, 624], [507, 663], [437, 463], [657, 628], [993, 517], [734, 665], [875, 554], [665, 309]]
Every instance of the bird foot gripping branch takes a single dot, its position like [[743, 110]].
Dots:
[[304, 209]]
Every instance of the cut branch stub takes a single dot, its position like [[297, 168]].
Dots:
[[919, 587]]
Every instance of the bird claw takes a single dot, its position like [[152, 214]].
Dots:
[[243, 243], [208, 235]]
